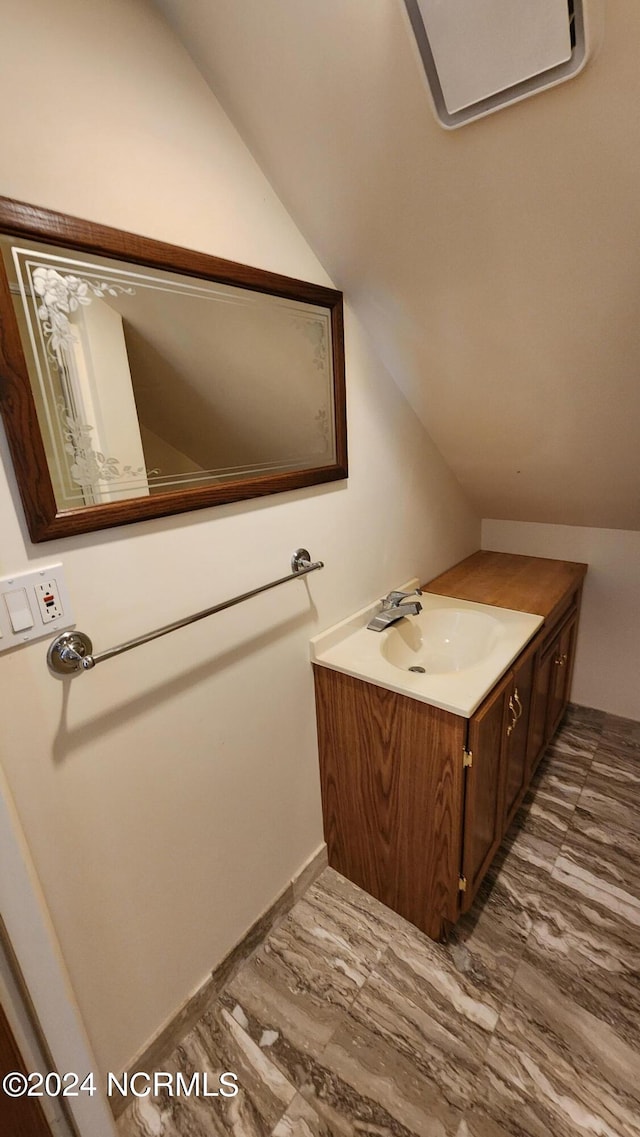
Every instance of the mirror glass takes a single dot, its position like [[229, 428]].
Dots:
[[149, 380], [139, 379]]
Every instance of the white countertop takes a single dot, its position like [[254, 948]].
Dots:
[[463, 656]]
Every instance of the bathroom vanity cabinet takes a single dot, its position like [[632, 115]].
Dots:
[[416, 800]]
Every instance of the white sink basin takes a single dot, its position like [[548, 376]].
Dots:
[[441, 640], [458, 649]]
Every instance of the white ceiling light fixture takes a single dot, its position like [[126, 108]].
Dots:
[[481, 55]]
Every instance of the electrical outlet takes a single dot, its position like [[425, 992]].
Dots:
[[48, 598]]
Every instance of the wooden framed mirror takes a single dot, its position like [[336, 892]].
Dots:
[[140, 379]]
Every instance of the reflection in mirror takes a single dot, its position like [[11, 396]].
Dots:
[[149, 380], [214, 383]]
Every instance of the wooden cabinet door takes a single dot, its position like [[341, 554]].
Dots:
[[484, 797], [539, 705], [516, 769], [561, 669]]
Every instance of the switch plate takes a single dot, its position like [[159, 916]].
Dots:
[[33, 605]]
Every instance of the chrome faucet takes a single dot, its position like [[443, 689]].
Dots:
[[394, 608]]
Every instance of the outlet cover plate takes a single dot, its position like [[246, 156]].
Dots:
[[32, 583]]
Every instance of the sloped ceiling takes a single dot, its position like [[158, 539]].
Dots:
[[496, 267]]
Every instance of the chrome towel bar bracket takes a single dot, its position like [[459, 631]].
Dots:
[[72, 652]]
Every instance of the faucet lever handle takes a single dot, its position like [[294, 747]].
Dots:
[[395, 598]]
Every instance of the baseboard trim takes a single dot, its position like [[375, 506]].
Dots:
[[152, 1056]]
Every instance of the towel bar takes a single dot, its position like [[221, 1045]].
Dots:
[[71, 652]]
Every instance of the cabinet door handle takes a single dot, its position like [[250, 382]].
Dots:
[[520, 707], [515, 716]]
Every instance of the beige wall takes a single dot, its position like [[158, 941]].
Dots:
[[495, 267], [608, 654], [168, 796]]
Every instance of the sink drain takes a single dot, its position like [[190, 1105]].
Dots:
[[420, 670]]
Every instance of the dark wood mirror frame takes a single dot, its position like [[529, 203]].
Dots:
[[45, 520]]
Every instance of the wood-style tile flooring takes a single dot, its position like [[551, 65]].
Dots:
[[348, 1022]]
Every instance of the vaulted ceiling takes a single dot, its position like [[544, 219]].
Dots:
[[496, 267]]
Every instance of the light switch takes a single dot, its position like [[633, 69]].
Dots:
[[19, 610]]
